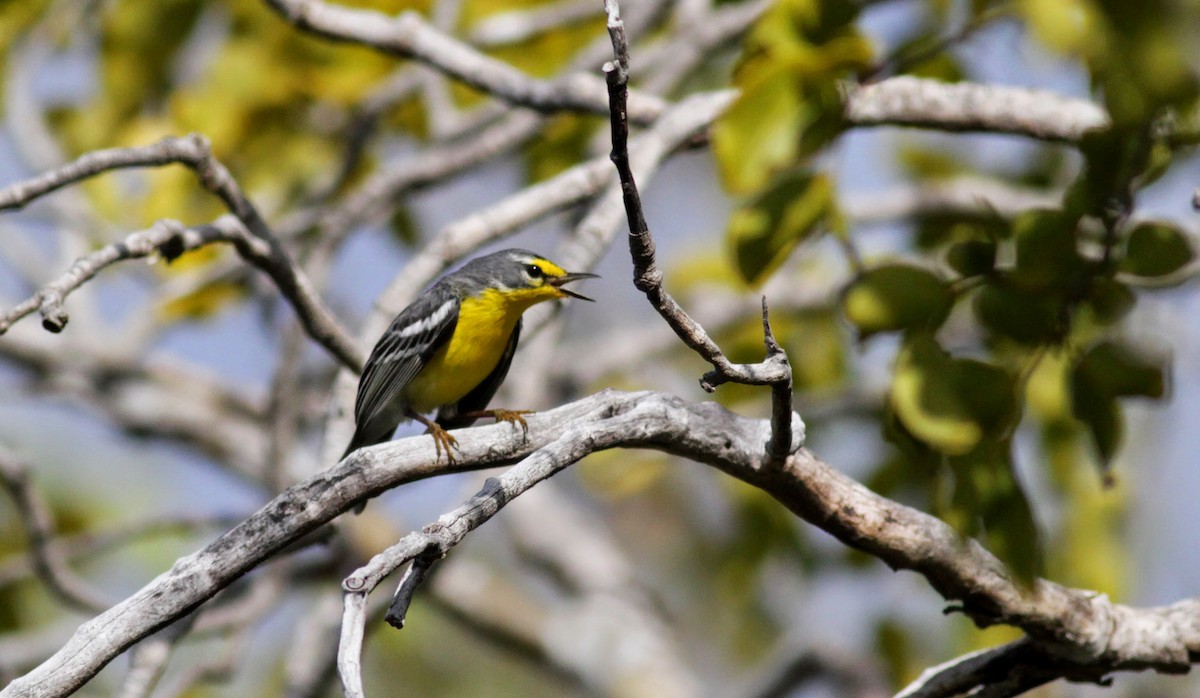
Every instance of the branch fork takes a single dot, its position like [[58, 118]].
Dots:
[[774, 370], [256, 243]]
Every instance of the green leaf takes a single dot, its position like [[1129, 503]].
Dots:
[[929, 163], [951, 404], [1047, 258], [1109, 300], [757, 135], [926, 399], [934, 230], [972, 257], [562, 144], [988, 495], [989, 393], [1103, 420], [897, 297], [1113, 157], [1156, 249], [1024, 316], [1115, 370], [790, 104], [1144, 65], [1104, 373], [764, 232], [1063, 25]]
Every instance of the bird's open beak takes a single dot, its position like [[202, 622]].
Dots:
[[558, 281]]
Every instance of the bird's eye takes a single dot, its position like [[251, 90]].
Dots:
[[534, 271]]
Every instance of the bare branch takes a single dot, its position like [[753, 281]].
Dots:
[[508, 215], [497, 130], [48, 560], [408, 35], [308, 669], [963, 196], [774, 370], [349, 657], [81, 545], [257, 245], [648, 420], [1075, 627], [527, 646], [213, 668], [378, 193], [515, 26], [964, 106], [424, 548], [147, 396], [705, 30], [148, 660], [794, 664], [1007, 670], [533, 203], [166, 238], [601, 587]]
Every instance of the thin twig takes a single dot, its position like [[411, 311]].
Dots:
[[423, 548], [515, 26], [47, 557], [418, 571], [85, 544], [409, 35], [1007, 670], [774, 369], [148, 660], [166, 238], [259, 246]]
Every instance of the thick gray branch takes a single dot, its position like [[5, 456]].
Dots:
[[1075, 626], [964, 106], [409, 35]]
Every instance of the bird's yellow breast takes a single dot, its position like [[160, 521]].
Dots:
[[485, 323]]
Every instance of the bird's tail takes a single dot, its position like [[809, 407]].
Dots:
[[356, 443]]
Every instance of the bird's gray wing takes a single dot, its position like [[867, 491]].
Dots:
[[479, 398], [403, 350]]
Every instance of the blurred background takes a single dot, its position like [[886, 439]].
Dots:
[[1061, 380]]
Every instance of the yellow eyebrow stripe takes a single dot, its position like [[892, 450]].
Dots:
[[549, 268]]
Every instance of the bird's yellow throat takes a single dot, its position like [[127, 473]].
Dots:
[[485, 323]]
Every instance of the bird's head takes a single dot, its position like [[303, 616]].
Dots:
[[525, 277]]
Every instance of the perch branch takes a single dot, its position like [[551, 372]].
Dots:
[[257, 244], [1076, 627]]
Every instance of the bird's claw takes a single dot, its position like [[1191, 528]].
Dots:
[[443, 441], [513, 417]]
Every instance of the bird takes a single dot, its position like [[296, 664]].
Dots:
[[451, 348]]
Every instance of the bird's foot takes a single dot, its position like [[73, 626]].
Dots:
[[515, 417], [443, 441]]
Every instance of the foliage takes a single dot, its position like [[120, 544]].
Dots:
[[1006, 342], [1056, 281]]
